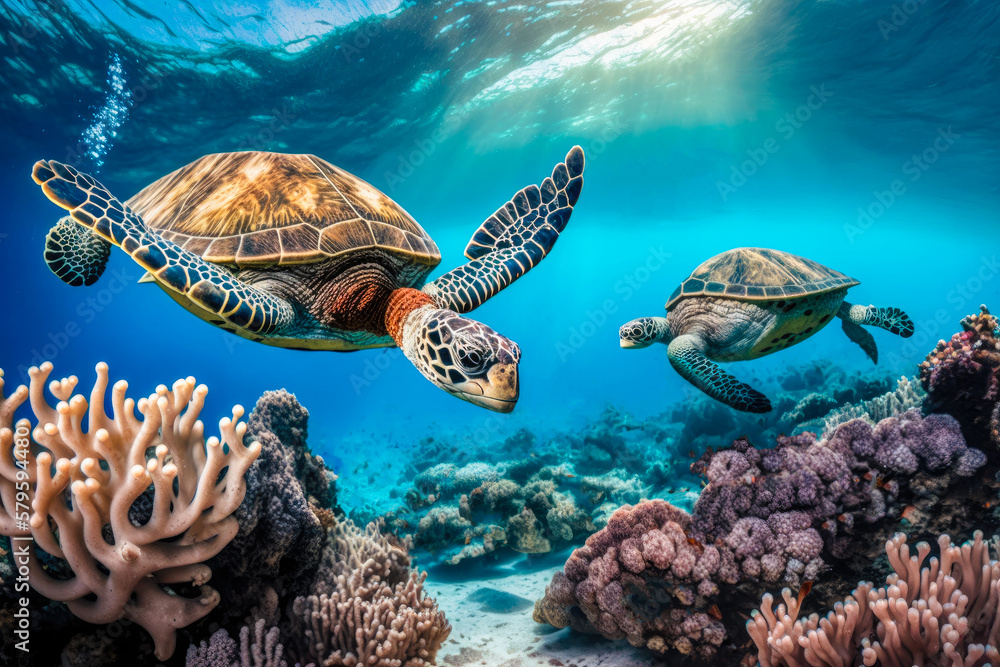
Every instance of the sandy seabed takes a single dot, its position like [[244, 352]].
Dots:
[[492, 625]]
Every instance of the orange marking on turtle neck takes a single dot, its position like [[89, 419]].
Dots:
[[402, 302]]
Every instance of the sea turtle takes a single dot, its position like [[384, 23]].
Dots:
[[750, 302], [290, 250]]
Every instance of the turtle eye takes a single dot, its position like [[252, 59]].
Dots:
[[471, 357]]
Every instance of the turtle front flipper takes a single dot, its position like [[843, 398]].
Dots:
[[75, 254], [514, 239], [862, 338], [891, 319], [211, 287], [687, 357]]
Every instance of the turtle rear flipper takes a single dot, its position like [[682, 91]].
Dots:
[[209, 286], [862, 338], [75, 254], [686, 356], [514, 239], [891, 319]]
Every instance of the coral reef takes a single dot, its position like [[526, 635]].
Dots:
[[766, 515], [812, 406], [585, 474], [258, 646], [365, 606], [133, 516], [124, 515], [376, 613], [470, 511], [786, 503], [906, 396], [619, 583], [803, 396], [941, 614], [280, 541], [962, 377]]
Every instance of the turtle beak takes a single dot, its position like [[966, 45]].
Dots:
[[498, 391]]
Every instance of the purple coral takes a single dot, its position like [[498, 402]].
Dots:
[[645, 579], [766, 515], [962, 377], [804, 488], [280, 539]]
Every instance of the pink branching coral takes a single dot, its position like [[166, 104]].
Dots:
[[944, 614], [127, 508], [830, 641]]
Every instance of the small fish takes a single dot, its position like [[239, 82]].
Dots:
[[807, 586], [715, 612]]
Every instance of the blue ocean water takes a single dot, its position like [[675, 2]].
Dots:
[[863, 135]]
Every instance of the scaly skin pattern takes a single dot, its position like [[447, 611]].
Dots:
[[644, 331], [740, 330], [211, 287], [464, 357], [514, 239], [891, 319], [75, 254]]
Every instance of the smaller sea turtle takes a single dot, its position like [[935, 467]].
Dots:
[[750, 302]]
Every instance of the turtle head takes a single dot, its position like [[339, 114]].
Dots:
[[643, 332], [465, 358]]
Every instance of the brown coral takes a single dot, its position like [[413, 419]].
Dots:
[[369, 608], [131, 506]]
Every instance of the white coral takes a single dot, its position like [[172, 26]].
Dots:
[[82, 486]]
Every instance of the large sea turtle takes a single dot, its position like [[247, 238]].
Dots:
[[750, 302], [290, 250]]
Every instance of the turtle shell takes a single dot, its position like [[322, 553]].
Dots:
[[264, 209], [758, 274]]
